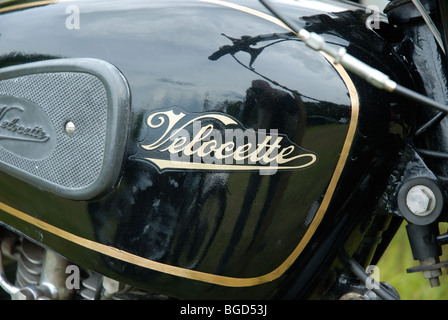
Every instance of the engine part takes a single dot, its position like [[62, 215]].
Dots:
[[421, 200], [426, 249], [45, 275]]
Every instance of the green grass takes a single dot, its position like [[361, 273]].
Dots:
[[411, 286]]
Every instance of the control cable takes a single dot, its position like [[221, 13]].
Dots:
[[340, 56]]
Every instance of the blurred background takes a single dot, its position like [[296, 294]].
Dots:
[[411, 286]]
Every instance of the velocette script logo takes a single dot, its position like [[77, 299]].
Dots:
[[11, 128], [25, 129], [215, 141]]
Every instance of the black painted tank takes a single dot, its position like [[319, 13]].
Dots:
[[244, 164]]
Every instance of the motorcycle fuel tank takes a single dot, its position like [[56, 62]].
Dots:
[[193, 148]]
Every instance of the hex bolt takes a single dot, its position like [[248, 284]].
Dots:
[[434, 274], [420, 200]]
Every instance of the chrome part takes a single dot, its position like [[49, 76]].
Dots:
[[420, 200], [371, 75], [30, 264], [433, 274], [91, 287], [4, 282], [340, 56], [28, 293], [427, 250], [40, 273], [53, 278], [8, 248], [45, 275], [70, 128]]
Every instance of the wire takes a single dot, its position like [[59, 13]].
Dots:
[[340, 56], [420, 98], [380, 290]]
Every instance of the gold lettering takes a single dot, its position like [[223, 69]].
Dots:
[[202, 134], [201, 150], [255, 156], [239, 154], [269, 153], [287, 151], [228, 146], [177, 143]]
